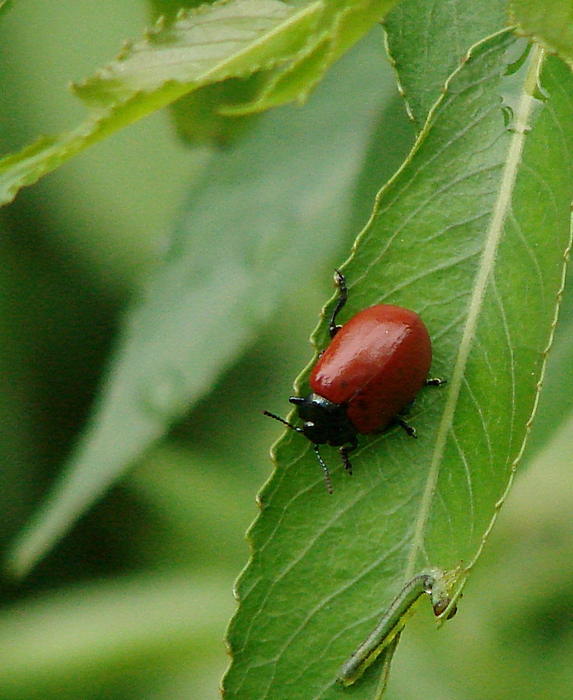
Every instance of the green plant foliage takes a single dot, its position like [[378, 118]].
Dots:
[[253, 229], [5, 5], [292, 46], [472, 234], [555, 398], [471, 231], [550, 23], [428, 40], [148, 622], [170, 8]]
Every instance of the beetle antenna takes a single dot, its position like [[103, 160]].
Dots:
[[283, 421], [326, 472]]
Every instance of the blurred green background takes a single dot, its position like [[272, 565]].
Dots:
[[135, 601]]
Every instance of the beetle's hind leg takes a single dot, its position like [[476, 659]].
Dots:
[[434, 381], [340, 281], [344, 451], [407, 427]]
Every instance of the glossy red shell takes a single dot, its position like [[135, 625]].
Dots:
[[375, 365]]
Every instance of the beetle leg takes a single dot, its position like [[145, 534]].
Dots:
[[344, 450], [408, 428], [340, 281], [404, 412], [326, 472], [436, 382]]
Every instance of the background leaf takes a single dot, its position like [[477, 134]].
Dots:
[[152, 619], [204, 46], [5, 5], [548, 23], [265, 214], [324, 567]]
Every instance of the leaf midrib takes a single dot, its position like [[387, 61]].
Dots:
[[492, 239]]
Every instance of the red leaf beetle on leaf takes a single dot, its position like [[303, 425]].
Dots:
[[370, 373]]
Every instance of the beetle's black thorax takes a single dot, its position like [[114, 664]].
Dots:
[[324, 421]]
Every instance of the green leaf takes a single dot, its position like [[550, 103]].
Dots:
[[199, 117], [206, 45], [290, 46], [170, 8], [548, 23], [266, 214], [338, 27], [471, 233], [139, 625], [555, 399], [5, 5], [427, 41]]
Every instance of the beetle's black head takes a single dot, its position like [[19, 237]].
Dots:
[[324, 421]]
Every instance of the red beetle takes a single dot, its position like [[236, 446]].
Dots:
[[372, 371]]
